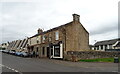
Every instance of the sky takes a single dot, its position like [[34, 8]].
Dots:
[[21, 18]]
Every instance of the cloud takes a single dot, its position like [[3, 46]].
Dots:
[[109, 27], [104, 36], [23, 18]]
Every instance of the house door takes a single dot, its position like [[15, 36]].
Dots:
[[48, 52]]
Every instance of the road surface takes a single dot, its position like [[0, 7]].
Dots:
[[11, 63]]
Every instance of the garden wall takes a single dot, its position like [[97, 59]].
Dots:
[[77, 55]]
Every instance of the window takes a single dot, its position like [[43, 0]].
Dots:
[[37, 40], [110, 47], [40, 39], [105, 46], [56, 35], [50, 38], [43, 38], [97, 47], [57, 51]]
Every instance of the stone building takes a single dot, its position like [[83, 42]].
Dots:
[[55, 43]]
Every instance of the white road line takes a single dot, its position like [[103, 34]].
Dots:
[[114, 71], [10, 68], [13, 69], [16, 71]]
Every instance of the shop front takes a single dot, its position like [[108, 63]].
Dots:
[[56, 51]]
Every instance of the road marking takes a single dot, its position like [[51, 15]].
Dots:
[[114, 71], [10, 68], [16, 71]]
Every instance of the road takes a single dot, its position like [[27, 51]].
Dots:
[[11, 63]]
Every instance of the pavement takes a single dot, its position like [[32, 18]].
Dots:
[[11, 63]]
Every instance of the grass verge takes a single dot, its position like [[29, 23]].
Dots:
[[98, 60]]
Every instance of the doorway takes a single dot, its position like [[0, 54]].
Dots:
[[58, 51], [48, 52]]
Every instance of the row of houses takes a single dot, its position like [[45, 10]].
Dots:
[[107, 45], [56, 42], [17, 45]]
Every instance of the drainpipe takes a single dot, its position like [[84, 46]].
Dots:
[[64, 33]]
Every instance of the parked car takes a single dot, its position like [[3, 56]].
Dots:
[[1, 50], [18, 53], [12, 52], [24, 54], [6, 51]]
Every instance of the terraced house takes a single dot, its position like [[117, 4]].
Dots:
[[55, 43], [18, 45]]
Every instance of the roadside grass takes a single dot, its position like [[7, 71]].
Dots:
[[98, 60]]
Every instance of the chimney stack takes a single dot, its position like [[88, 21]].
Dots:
[[40, 31], [76, 17]]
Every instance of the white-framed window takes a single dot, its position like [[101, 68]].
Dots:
[[43, 38], [57, 35], [40, 39], [37, 39]]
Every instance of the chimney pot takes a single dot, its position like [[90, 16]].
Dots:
[[40, 31], [76, 17]]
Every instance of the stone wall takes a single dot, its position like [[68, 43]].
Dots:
[[77, 55]]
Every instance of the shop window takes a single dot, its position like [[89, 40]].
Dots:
[[57, 51]]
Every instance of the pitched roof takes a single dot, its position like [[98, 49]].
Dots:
[[106, 42], [52, 29], [118, 45]]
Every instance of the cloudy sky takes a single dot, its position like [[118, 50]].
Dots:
[[21, 18]]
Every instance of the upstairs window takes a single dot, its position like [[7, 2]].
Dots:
[[37, 40], [57, 35], [50, 38], [43, 38]]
